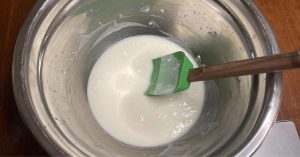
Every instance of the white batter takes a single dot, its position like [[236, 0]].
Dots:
[[116, 89]]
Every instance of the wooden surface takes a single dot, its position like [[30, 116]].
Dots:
[[15, 138], [284, 18]]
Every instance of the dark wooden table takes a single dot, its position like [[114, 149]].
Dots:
[[16, 139]]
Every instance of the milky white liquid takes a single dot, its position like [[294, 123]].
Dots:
[[116, 97]]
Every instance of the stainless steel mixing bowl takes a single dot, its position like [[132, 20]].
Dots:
[[62, 39]]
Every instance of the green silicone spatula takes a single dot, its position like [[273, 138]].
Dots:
[[174, 72]]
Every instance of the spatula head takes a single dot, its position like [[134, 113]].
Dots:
[[169, 74]]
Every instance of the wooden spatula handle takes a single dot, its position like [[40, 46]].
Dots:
[[246, 67]]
